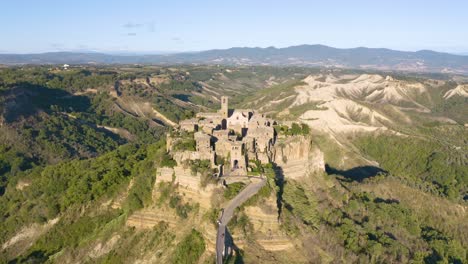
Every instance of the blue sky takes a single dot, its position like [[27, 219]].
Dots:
[[172, 25]]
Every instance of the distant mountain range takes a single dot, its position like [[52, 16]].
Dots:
[[303, 55]]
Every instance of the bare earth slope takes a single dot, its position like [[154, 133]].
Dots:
[[336, 102]]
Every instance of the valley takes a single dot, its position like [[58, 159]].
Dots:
[[367, 166]]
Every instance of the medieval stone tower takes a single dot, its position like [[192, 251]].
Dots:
[[237, 157], [224, 107]]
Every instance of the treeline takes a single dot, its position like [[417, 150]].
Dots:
[[294, 130], [383, 231], [190, 249], [64, 137], [12, 165], [71, 80], [300, 202], [63, 123], [171, 110], [454, 108], [442, 167], [369, 229], [54, 189]]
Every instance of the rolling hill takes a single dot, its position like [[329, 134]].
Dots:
[[83, 161], [303, 55]]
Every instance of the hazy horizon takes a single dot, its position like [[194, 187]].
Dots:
[[151, 26], [167, 52]]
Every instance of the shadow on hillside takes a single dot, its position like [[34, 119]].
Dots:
[[26, 99], [37, 256], [235, 254], [182, 97], [387, 201], [279, 180], [357, 173]]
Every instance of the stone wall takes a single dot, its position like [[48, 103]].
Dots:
[[182, 176], [181, 156], [222, 148], [237, 157]]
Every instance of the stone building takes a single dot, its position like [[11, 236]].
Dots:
[[224, 111], [203, 142], [237, 156], [238, 121], [208, 125], [260, 120], [189, 125], [238, 134], [263, 138]]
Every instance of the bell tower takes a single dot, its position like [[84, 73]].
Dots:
[[224, 107]]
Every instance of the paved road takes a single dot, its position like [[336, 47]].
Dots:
[[228, 212]]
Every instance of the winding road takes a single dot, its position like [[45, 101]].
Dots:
[[228, 212]]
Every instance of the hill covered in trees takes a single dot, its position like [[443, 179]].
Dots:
[[81, 149]]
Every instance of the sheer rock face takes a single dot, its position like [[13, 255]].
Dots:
[[189, 185], [181, 156], [296, 157]]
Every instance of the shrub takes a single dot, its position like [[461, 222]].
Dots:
[[167, 161], [233, 189], [186, 144], [301, 203], [190, 249]]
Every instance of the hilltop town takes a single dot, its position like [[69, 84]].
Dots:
[[340, 164], [231, 139]]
